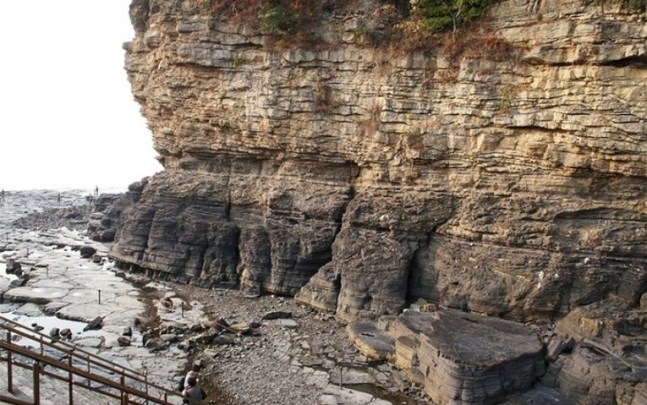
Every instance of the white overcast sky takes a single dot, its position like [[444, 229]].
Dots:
[[67, 116]]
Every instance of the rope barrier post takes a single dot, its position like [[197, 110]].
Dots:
[[36, 382], [99, 296], [182, 306], [9, 366]]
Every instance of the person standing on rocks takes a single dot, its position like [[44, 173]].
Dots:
[[2, 195]]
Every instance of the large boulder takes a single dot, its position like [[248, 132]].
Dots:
[[606, 365], [460, 358]]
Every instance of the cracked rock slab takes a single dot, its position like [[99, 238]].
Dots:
[[372, 341], [460, 358]]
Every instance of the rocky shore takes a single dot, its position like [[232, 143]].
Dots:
[[55, 278], [300, 357], [272, 351], [255, 349]]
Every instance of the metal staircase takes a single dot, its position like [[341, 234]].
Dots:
[[57, 367]]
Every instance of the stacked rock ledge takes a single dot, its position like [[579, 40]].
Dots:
[[459, 358]]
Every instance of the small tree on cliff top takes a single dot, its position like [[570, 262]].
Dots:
[[287, 17], [442, 14]]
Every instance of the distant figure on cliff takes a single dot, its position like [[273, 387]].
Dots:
[[2, 195], [96, 192], [58, 198]]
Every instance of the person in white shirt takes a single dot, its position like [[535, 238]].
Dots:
[[193, 373]]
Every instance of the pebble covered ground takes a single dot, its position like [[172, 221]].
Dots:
[[299, 359]]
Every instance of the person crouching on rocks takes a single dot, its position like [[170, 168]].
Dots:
[[193, 373], [193, 394]]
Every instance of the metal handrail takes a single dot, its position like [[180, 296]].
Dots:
[[13, 401], [30, 333], [61, 378], [120, 386], [76, 353]]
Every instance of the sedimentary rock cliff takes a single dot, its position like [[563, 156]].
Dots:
[[361, 179]]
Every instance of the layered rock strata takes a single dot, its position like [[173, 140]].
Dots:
[[512, 187], [109, 210], [239, 227], [361, 180], [459, 358], [608, 363]]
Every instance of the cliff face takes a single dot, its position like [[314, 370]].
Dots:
[[359, 180]]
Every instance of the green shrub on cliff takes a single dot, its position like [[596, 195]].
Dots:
[[296, 18], [439, 15], [289, 21], [278, 19]]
